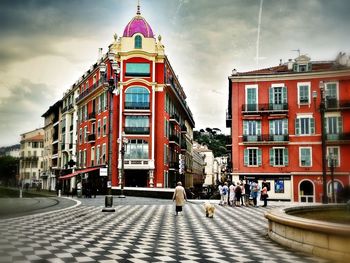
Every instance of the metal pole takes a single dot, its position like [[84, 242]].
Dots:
[[122, 151], [324, 149], [109, 198], [332, 176]]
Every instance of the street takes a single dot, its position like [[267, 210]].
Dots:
[[143, 230]]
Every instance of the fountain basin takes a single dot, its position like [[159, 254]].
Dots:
[[320, 238]]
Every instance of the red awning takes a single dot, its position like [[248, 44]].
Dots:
[[67, 176]]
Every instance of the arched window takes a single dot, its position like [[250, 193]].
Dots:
[[137, 98], [138, 42]]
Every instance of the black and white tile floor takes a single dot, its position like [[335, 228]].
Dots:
[[143, 233]]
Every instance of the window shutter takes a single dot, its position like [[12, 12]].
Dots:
[[325, 126], [259, 157], [285, 126], [312, 125], [284, 93], [271, 97], [245, 127], [246, 155], [285, 156], [295, 67], [309, 66], [258, 127], [340, 125], [297, 126], [272, 157], [272, 127]]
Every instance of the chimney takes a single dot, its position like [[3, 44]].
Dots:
[[280, 62], [290, 64], [99, 53]]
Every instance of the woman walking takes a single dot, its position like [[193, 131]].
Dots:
[[179, 197]]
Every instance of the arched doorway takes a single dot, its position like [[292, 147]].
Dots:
[[338, 187], [306, 192]]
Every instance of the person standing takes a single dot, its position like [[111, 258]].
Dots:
[[225, 193], [247, 192], [179, 197], [232, 194], [254, 192], [264, 194], [221, 195], [238, 194]]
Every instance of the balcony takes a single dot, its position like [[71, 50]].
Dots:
[[183, 128], [90, 89], [266, 139], [335, 105], [174, 139], [136, 130], [137, 164], [92, 116], [264, 108], [174, 118], [338, 137], [91, 138], [136, 105]]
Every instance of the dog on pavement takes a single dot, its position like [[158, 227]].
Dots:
[[209, 209]]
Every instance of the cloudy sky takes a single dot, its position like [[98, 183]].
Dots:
[[46, 45]]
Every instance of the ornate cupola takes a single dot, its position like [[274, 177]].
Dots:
[[138, 25]]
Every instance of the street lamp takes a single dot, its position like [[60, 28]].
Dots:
[[331, 159], [123, 142], [323, 138], [112, 86]]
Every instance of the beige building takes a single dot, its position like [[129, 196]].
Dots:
[[31, 158], [208, 156]]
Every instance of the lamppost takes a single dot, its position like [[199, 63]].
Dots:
[[324, 149], [123, 142], [331, 158], [112, 86]]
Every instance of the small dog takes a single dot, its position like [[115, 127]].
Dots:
[[209, 209]]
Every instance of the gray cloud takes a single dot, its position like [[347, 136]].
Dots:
[[21, 111]]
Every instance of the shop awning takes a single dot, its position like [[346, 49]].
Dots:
[[68, 176]]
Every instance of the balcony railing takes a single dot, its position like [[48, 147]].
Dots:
[[266, 138], [91, 138], [174, 117], [136, 130], [264, 108], [338, 137], [174, 138], [136, 105], [92, 115], [334, 104], [90, 89]]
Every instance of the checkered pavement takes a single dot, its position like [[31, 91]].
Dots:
[[143, 233]]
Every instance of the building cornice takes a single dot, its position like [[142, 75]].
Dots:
[[289, 76]]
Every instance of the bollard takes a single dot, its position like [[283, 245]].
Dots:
[[20, 193], [59, 193]]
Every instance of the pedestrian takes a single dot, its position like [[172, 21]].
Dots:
[[238, 194], [232, 194], [221, 195], [179, 197], [264, 194], [242, 192], [246, 193], [225, 193], [254, 192]]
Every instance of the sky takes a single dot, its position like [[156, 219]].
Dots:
[[46, 45]]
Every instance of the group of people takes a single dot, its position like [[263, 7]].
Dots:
[[243, 194]]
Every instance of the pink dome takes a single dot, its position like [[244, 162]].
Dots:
[[138, 25]]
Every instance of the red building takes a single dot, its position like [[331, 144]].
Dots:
[[276, 127], [148, 109]]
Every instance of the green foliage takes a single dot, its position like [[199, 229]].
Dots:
[[212, 137], [8, 170]]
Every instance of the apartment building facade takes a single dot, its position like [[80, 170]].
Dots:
[[151, 123], [278, 134]]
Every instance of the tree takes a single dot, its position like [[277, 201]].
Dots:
[[9, 167], [215, 141]]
